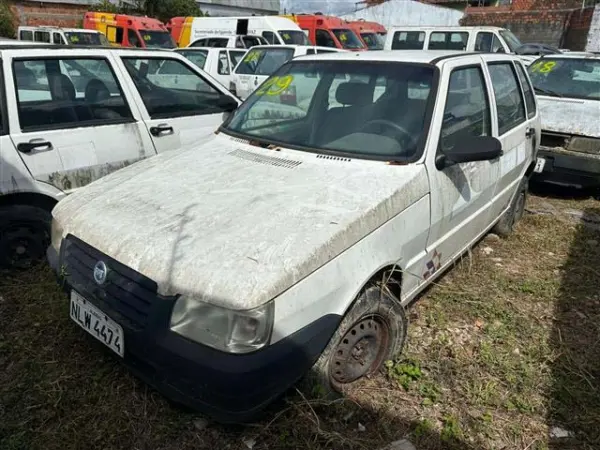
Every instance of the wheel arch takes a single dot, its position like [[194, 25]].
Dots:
[[42, 201]]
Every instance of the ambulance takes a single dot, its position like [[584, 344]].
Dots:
[[371, 33], [275, 29], [330, 31], [130, 31]]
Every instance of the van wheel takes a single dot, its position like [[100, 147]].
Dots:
[[506, 224], [24, 235], [372, 332]]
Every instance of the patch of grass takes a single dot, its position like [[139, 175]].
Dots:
[[404, 372]]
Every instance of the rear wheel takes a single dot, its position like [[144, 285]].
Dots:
[[505, 225], [371, 332], [24, 235]]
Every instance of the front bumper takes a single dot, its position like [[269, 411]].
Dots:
[[227, 387], [569, 168]]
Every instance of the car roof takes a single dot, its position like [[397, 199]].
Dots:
[[214, 49], [443, 28], [43, 47], [410, 56]]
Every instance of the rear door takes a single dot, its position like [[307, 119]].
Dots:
[[180, 109], [74, 121], [513, 129]]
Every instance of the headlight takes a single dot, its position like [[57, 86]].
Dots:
[[220, 328], [56, 235]]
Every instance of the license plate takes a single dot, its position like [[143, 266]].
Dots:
[[539, 165], [98, 324]]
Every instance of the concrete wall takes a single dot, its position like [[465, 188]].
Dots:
[[239, 7], [593, 38], [407, 12]]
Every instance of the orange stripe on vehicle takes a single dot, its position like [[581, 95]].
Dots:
[[186, 32]]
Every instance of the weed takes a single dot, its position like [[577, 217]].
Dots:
[[404, 372], [451, 430]]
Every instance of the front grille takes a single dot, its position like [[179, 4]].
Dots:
[[126, 292]]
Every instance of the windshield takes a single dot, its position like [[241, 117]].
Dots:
[[83, 38], [373, 40], [576, 78], [347, 38], [157, 39], [198, 57], [368, 109], [264, 61], [294, 37], [511, 40]]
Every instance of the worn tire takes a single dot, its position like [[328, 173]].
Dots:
[[509, 219], [24, 235], [376, 311]]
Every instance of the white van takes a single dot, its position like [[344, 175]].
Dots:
[[225, 41], [261, 61], [62, 36], [280, 248], [275, 29], [470, 39]]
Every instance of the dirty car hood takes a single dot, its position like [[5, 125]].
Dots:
[[571, 116], [236, 225]]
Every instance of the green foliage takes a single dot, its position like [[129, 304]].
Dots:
[[7, 21], [404, 372], [163, 10], [424, 428], [451, 430]]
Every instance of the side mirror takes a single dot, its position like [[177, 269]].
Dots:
[[468, 149]]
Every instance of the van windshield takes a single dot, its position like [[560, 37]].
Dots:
[[373, 40], [157, 39], [294, 37], [372, 110], [511, 40], [83, 38], [264, 61], [347, 38]]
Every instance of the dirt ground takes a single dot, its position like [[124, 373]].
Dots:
[[503, 353]]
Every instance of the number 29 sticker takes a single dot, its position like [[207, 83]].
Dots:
[[275, 85]]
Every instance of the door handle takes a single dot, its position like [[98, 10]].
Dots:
[[28, 147], [161, 130], [530, 132]]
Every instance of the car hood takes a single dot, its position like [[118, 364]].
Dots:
[[236, 225], [569, 115]]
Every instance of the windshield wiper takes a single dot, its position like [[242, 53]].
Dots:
[[547, 92]]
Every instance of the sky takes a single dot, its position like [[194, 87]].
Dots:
[[334, 7]]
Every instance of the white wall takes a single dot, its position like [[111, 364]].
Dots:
[[407, 12], [593, 40]]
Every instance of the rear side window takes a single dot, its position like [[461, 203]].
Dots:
[[509, 102], [527, 90], [408, 40], [42, 36], [450, 40], [467, 111], [223, 64], [169, 96], [53, 93], [198, 57], [264, 61], [26, 35]]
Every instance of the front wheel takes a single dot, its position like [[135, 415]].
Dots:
[[24, 235], [372, 332]]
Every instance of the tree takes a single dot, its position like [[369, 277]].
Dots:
[[7, 21], [167, 9]]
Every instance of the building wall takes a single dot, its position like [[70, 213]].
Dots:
[[593, 38], [239, 7], [56, 14], [407, 12], [561, 23]]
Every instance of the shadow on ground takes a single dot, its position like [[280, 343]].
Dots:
[[575, 398]]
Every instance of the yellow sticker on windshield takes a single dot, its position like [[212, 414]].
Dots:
[[147, 37], [275, 85], [343, 37], [74, 39], [286, 37], [252, 56], [543, 66]]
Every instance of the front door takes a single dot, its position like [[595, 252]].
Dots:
[[180, 110], [73, 123], [461, 194]]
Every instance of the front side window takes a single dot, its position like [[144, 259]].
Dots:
[[270, 37], [223, 63], [483, 42], [527, 90], [324, 39], [157, 39], [371, 110], [264, 61], [348, 38], [450, 40], [467, 111], [167, 96], [57, 39], [251, 41], [236, 56], [408, 40], [53, 93], [198, 57], [566, 77], [511, 40], [294, 37], [509, 101], [133, 38], [373, 41]]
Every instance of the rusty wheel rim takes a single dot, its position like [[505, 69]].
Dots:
[[361, 351]]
